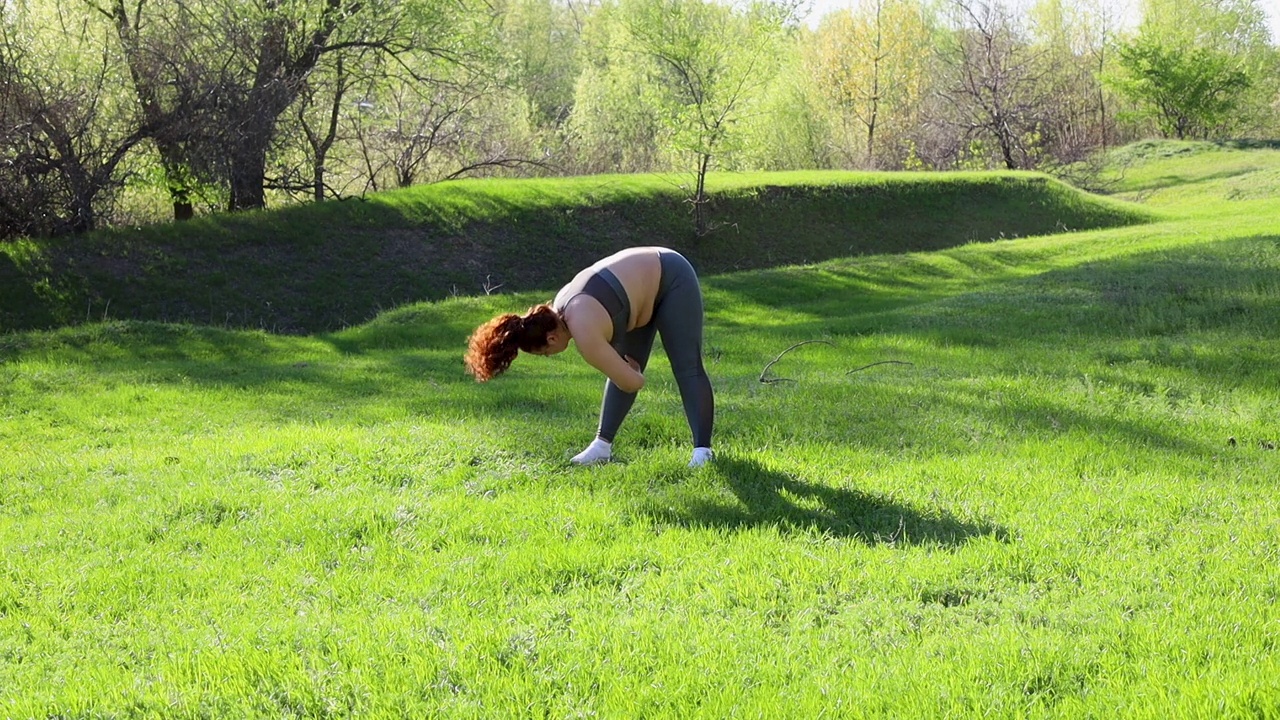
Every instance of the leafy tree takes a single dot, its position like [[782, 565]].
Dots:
[[1234, 28], [543, 39], [793, 128], [611, 127], [1190, 93], [709, 63], [869, 63]]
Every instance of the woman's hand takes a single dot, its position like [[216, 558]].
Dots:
[[632, 362]]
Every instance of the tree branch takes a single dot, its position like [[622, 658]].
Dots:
[[882, 362], [763, 372]]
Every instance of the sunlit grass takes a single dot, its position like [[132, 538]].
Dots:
[[1199, 176], [1063, 506]]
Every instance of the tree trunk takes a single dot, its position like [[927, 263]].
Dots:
[[177, 180], [700, 196], [1006, 150], [318, 180], [165, 127], [874, 114], [277, 83], [248, 171]]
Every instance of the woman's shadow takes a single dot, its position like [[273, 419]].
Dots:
[[772, 498]]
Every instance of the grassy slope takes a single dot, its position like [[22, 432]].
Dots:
[[325, 267], [1042, 516]]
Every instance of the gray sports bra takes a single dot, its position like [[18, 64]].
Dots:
[[605, 287]]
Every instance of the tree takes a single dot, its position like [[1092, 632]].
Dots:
[[165, 49], [611, 127], [869, 63], [995, 83], [709, 61], [1225, 28], [1188, 92], [214, 78], [793, 128], [1236, 27], [1072, 39], [542, 41], [277, 45], [63, 131], [460, 122], [317, 121]]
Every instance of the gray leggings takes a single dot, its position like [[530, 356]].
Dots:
[[677, 315]]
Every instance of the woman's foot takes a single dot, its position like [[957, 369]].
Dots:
[[598, 451], [701, 456]]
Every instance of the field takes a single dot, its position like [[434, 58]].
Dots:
[[1059, 499]]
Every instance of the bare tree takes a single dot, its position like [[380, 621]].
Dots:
[[995, 82], [449, 120], [175, 77], [61, 142], [315, 129]]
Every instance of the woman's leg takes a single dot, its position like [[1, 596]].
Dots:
[[613, 410], [678, 317]]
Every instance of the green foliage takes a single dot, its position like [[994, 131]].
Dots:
[[708, 63], [788, 131], [611, 128], [1065, 507], [158, 102], [543, 38], [1237, 27], [1189, 92]]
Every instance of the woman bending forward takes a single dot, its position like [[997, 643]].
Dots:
[[611, 311]]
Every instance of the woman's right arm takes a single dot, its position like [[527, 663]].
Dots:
[[604, 358], [587, 323]]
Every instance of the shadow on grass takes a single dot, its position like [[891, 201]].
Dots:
[[21, 307], [770, 498], [328, 266], [1249, 144]]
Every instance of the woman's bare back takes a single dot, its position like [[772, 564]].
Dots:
[[639, 270]]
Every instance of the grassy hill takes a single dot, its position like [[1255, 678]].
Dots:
[[324, 267], [1063, 506]]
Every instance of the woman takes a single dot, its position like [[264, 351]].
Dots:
[[611, 311]]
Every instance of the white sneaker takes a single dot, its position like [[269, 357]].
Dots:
[[701, 456], [598, 451]]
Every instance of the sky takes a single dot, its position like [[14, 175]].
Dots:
[[1272, 8]]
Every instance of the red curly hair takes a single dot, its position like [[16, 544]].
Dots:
[[496, 343]]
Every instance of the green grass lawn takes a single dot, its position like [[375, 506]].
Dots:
[[1065, 505]]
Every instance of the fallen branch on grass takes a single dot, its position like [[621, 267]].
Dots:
[[774, 361], [765, 371], [882, 362]]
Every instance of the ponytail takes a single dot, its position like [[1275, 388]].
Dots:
[[495, 344]]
